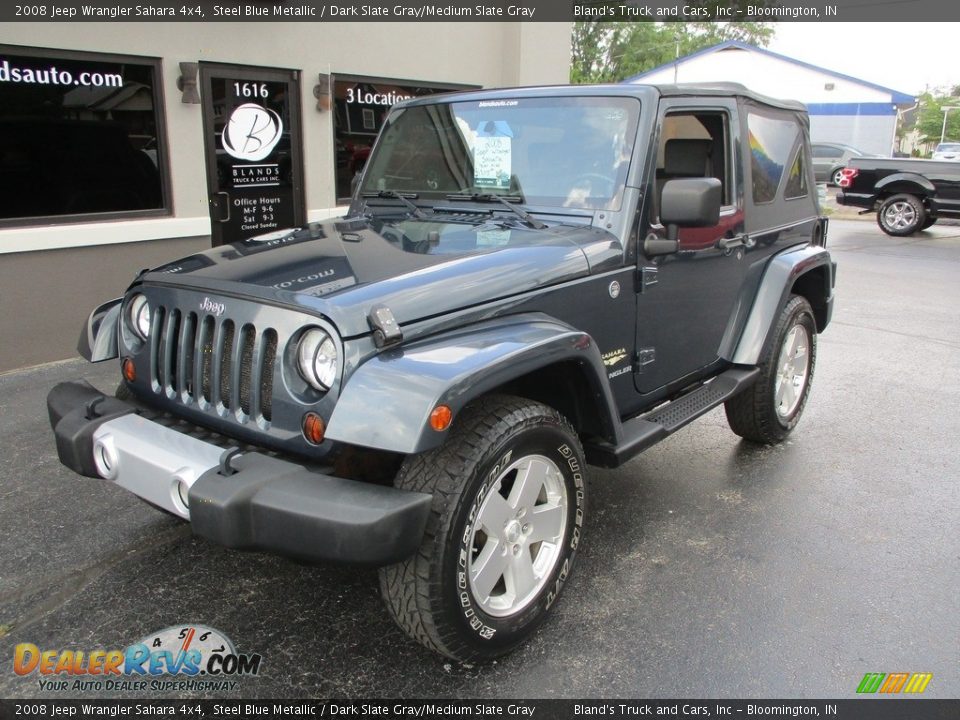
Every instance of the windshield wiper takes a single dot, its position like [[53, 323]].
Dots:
[[402, 197], [504, 200]]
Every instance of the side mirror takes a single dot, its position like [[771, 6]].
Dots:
[[99, 338], [690, 202]]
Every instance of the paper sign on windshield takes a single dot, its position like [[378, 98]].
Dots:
[[492, 162], [492, 238]]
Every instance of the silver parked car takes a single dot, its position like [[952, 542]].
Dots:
[[830, 158], [947, 151]]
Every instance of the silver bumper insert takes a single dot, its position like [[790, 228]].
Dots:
[[152, 461]]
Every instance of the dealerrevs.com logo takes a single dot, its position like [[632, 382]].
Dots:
[[177, 658]]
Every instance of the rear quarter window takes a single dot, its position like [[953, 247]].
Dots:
[[771, 142], [796, 185]]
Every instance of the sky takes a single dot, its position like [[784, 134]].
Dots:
[[902, 56]]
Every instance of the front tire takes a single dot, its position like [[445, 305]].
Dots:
[[901, 215], [769, 409], [506, 521]]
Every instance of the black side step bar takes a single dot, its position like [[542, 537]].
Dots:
[[641, 432]]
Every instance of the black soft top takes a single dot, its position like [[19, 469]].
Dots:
[[728, 89], [717, 89]]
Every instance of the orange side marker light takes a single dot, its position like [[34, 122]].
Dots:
[[313, 428], [129, 369], [441, 417]]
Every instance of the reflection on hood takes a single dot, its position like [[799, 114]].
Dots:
[[418, 268]]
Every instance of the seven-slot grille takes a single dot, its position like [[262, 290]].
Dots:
[[213, 362]]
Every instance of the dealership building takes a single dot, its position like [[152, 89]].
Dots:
[[842, 109], [129, 144]]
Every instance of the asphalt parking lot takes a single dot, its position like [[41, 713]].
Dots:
[[711, 567]]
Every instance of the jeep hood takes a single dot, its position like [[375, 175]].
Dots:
[[417, 267]]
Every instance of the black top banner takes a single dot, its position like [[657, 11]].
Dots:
[[846, 709], [483, 11]]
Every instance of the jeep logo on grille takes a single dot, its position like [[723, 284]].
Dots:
[[214, 308]]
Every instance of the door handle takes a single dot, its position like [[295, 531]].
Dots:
[[223, 206]]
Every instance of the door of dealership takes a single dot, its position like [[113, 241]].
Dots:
[[254, 150]]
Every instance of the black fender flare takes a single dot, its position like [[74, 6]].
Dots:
[[781, 274], [386, 403], [901, 182]]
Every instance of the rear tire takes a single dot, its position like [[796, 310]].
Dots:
[[901, 215], [502, 535], [835, 176], [769, 409]]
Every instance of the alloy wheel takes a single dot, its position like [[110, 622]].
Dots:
[[516, 539], [793, 369]]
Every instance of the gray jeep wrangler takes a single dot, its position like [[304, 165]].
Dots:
[[528, 281]]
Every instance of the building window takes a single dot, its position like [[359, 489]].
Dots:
[[82, 136], [360, 106]]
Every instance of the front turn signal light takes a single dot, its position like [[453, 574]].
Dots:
[[441, 417], [129, 369], [313, 428]]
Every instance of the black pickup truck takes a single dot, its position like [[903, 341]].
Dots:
[[908, 195]]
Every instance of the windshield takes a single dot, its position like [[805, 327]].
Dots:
[[569, 152], [948, 147]]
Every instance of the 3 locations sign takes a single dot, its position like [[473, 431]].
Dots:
[[361, 106]]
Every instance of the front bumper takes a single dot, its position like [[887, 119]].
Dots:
[[248, 501]]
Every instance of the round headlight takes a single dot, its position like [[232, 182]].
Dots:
[[317, 359], [139, 315]]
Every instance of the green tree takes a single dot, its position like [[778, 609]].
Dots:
[[930, 119], [614, 51]]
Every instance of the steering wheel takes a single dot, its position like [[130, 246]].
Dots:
[[590, 178]]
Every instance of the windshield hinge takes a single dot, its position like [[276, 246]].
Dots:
[[386, 331]]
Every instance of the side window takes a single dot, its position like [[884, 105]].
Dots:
[[82, 135], [796, 185], [825, 151], [694, 144], [771, 140]]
